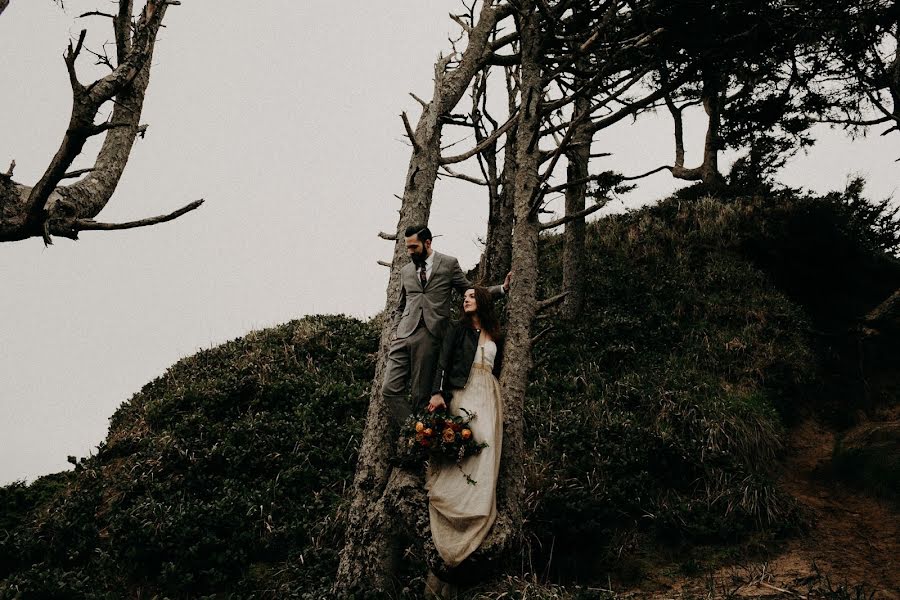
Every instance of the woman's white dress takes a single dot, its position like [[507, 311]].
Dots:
[[461, 514]]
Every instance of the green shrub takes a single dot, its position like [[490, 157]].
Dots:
[[655, 419], [216, 477]]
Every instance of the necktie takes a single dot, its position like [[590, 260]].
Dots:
[[422, 276]]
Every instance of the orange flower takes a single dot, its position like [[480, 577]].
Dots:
[[466, 434], [420, 426], [449, 435]]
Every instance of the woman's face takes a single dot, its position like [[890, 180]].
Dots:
[[469, 304]]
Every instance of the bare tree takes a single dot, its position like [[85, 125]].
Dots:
[[48, 208]]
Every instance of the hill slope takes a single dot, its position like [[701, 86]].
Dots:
[[656, 424]]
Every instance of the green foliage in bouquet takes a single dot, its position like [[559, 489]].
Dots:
[[442, 437]]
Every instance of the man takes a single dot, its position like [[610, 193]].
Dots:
[[420, 319]]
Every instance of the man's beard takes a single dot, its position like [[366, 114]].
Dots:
[[419, 259]]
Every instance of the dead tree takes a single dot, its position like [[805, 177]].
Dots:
[[385, 499], [48, 208]]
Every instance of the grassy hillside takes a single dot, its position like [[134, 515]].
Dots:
[[655, 423]]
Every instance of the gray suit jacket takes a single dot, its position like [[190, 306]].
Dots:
[[433, 302]]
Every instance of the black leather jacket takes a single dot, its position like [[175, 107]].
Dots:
[[455, 362]]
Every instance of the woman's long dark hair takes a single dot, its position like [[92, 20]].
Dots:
[[490, 324]]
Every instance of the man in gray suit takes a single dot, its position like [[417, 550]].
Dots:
[[420, 319]]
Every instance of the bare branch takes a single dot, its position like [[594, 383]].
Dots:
[[91, 225], [859, 122], [570, 184], [542, 334], [9, 172], [451, 173], [71, 57], [102, 59], [419, 100], [410, 133], [384, 264], [466, 27], [99, 128], [449, 160], [96, 13], [648, 173], [78, 173], [545, 304], [387, 236], [578, 215]]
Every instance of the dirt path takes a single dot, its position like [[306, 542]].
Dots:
[[853, 536], [853, 539]]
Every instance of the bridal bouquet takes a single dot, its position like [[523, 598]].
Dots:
[[442, 437]]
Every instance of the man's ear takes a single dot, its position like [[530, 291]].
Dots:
[[427, 244]]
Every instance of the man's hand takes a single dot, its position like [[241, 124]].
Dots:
[[507, 281], [436, 402]]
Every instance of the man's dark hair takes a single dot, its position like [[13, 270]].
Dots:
[[420, 231]]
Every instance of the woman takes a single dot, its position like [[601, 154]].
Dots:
[[466, 377]]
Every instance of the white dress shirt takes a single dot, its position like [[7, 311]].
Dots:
[[428, 264]]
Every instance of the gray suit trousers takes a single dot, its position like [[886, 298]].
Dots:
[[410, 360]]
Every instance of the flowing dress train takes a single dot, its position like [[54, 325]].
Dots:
[[461, 513]]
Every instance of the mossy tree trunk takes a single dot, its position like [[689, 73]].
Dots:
[[385, 500]]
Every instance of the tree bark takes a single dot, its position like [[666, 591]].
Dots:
[[578, 156], [506, 534], [368, 558], [708, 170]]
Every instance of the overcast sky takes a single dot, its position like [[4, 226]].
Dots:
[[284, 117]]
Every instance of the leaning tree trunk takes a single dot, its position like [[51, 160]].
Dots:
[[381, 496], [578, 155]]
